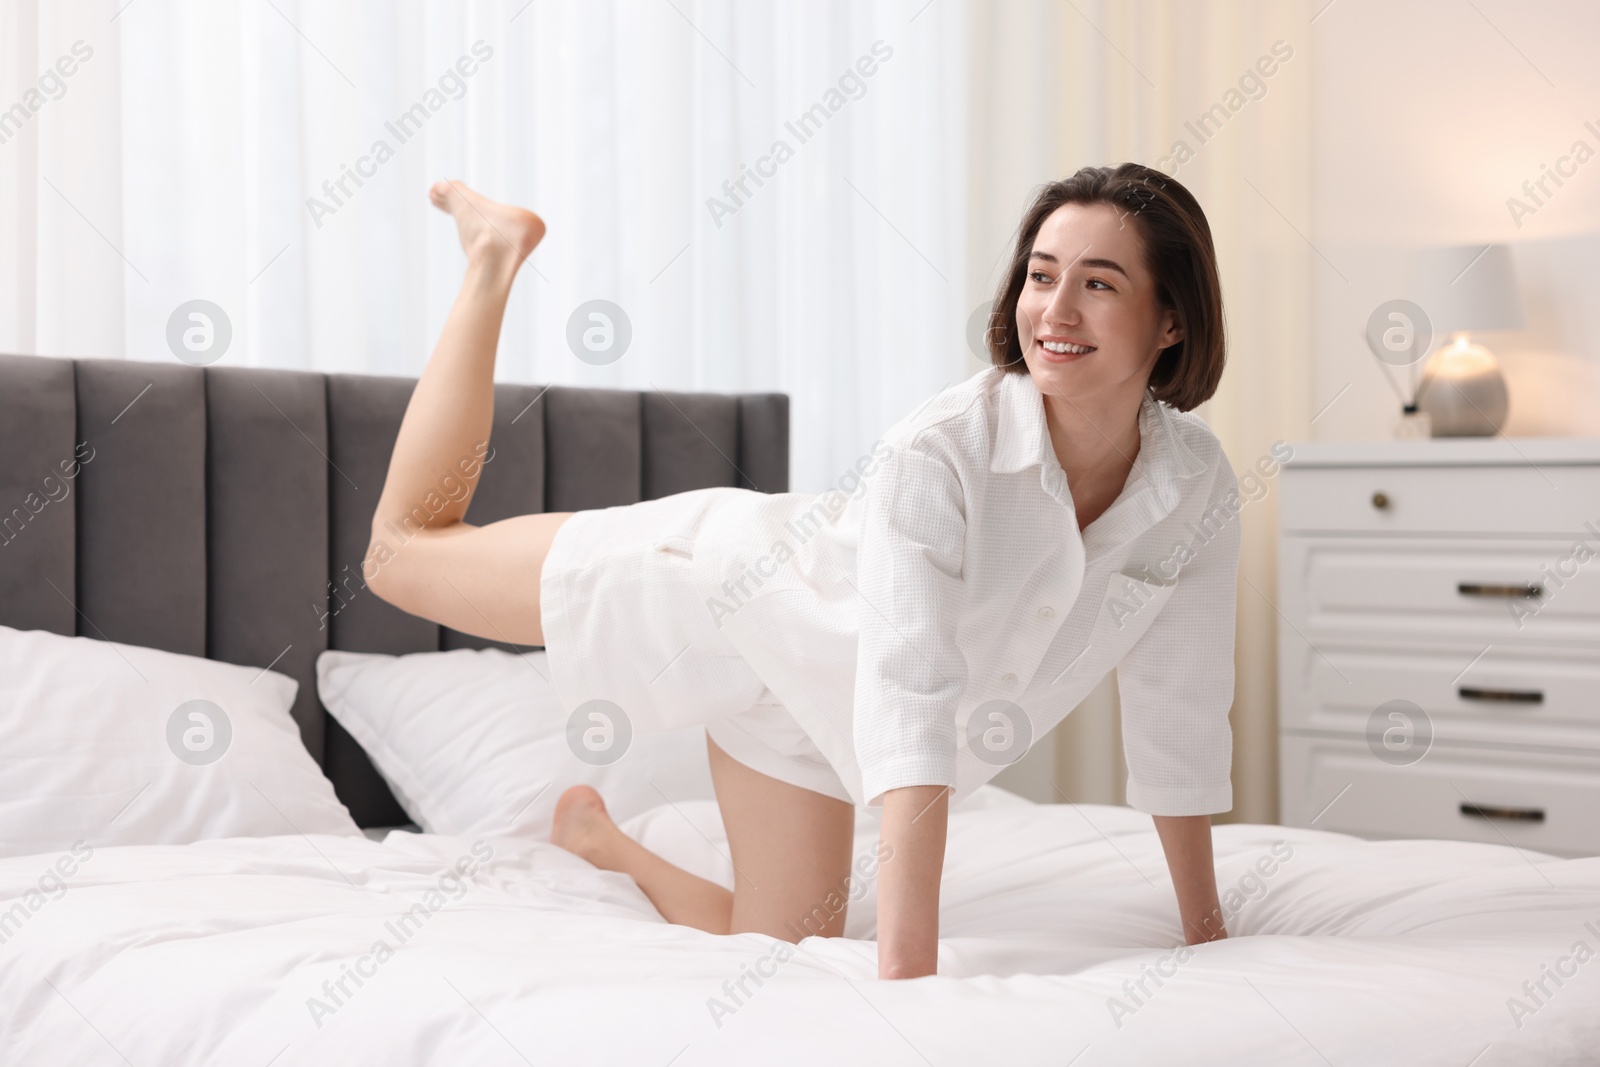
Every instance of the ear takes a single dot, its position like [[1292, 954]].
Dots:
[[1172, 327]]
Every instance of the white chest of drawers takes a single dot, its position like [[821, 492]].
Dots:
[[1439, 640]]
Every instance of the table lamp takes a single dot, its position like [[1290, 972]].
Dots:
[[1466, 289]]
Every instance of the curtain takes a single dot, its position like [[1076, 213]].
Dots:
[[772, 194]]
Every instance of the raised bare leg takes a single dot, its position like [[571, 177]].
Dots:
[[422, 557], [790, 849]]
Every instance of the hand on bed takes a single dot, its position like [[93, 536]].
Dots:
[[1210, 930], [1186, 841]]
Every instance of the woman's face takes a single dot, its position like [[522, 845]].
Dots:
[[1087, 285]]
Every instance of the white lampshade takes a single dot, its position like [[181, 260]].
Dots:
[[1465, 287]]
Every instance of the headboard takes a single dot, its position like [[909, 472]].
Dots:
[[224, 511]]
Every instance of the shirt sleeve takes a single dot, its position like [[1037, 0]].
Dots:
[[1176, 683], [910, 672]]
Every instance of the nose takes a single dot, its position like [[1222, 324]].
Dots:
[[1062, 311]]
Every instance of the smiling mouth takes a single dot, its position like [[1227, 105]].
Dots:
[[1063, 351]]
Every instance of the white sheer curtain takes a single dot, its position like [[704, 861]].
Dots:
[[183, 157]]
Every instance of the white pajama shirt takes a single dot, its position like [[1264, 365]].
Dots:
[[947, 573]]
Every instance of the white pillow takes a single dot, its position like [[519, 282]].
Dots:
[[475, 742], [115, 744]]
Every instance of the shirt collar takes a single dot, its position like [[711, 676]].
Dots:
[[1022, 439]]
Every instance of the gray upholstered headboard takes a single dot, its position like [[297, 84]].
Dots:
[[225, 511]]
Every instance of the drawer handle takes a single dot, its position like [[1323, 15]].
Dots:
[[1380, 500], [1502, 696], [1520, 814], [1532, 591]]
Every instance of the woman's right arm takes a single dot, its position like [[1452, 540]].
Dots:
[[910, 674], [915, 820]]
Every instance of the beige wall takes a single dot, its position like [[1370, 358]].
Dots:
[[1427, 117]]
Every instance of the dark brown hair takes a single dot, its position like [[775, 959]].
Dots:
[[1178, 252]]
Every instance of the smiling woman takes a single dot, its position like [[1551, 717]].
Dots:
[[1165, 262], [921, 636], [1112, 287], [939, 618]]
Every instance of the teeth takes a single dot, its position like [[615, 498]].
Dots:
[[1062, 348]]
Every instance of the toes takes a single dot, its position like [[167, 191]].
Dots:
[[579, 801], [586, 797], [581, 824], [441, 193], [489, 229]]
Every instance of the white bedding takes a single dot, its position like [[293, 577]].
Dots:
[[1351, 952]]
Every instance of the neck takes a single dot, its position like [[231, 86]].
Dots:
[[1098, 436]]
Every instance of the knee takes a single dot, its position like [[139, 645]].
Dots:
[[823, 920], [390, 573], [376, 568]]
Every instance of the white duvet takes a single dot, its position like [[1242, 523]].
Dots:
[[1060, 945]]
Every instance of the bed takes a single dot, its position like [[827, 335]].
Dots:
[[219, 519]]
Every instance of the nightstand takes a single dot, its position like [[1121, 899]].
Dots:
[[1439, 640]]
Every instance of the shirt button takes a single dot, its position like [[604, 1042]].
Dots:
[[1047, 612], [1008, 679]]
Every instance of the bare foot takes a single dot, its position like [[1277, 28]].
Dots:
[[582, 825], [488, 229]]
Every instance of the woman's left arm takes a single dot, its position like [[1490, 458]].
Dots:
[[1176, 688], [1186, 840]]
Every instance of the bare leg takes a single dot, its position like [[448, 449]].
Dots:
[[422, 557], [790, 849], [452, 408], [583, 827]]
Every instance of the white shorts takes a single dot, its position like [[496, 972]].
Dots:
[[765, 738], [623, 623]]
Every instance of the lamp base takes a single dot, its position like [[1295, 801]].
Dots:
[[1463, 391]]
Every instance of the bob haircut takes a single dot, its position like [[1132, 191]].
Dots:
[[1178, 253]]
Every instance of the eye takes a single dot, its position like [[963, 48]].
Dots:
[[1039, 276], [1097, 281]]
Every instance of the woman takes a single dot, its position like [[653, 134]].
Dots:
[[898, 641]]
